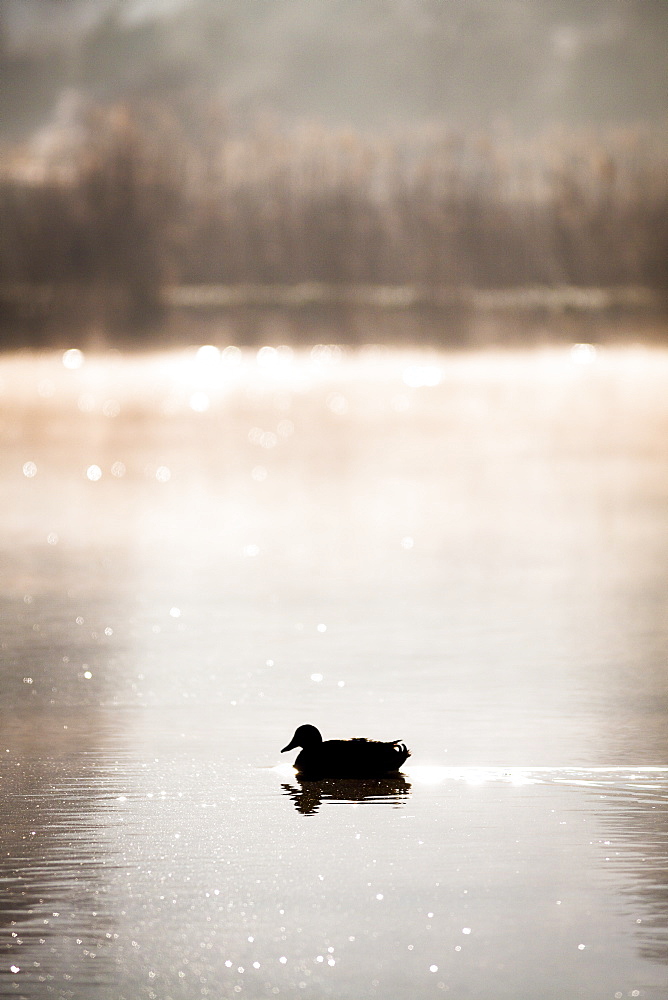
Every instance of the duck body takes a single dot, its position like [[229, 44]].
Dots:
[[355, 758]]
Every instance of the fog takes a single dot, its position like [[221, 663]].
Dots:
[[372, 64]]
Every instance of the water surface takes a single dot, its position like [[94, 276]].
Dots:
[[201, 551]]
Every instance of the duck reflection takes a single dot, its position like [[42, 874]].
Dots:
[[308, 794]]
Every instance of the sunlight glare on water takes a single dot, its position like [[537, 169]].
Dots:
[[466, 552]]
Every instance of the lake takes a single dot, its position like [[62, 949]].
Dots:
[[202, 549]]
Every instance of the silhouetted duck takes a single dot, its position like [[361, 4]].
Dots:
[[356, 758]]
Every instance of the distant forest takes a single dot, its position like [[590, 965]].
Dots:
[[103, 224]]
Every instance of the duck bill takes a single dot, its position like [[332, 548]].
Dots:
[[290, 746]]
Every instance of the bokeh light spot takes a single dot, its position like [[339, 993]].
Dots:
[[583, 354], [232, 355], [73, 358], [285, 428], [86, 403], [207, 354], [111, 408], [199, 402], [267, 356], [337, 403]]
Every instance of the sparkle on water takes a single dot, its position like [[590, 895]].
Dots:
[[203, 549]]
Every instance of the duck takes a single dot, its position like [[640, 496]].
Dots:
[[354, 758]]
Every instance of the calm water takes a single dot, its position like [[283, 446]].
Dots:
[[467, 552]]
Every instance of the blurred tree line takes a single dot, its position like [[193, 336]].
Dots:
[[111, 213]]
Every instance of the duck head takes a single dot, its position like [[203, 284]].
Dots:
[[305, 736]]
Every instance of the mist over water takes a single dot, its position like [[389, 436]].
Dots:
[[203, 549]]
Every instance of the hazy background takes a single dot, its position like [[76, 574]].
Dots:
[[374, 64], [289, 171]]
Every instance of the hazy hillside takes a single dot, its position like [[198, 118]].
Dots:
[[371, 63]]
